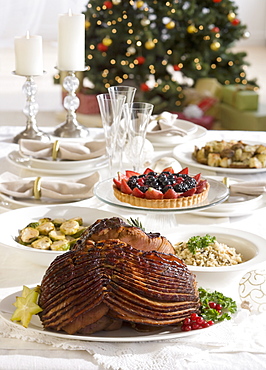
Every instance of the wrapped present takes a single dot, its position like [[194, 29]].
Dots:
[[209, 87], [235, 119], [204, 121], [242, 97]]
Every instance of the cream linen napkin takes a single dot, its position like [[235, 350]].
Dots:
[[248, 188], [68, 190], [164, 123], [65, 151]]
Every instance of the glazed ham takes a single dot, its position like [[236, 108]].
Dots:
[[116, 228], [109, 283]]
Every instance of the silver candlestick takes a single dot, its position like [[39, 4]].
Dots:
[[30, 110], [71, 127]]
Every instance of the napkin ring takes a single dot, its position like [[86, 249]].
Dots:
[[37, 188], [55, 150]]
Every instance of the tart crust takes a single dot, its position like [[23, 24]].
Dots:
[[162, 203]]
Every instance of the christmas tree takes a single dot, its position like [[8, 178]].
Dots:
[[161, 47]]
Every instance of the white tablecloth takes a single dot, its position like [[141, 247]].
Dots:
[[238, 344]]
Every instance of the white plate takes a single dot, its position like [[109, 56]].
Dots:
[[157, 137], [16, 220], [183, 153], [125, 334], [234, 206], [170, 141], [218, 192], [74, 166]]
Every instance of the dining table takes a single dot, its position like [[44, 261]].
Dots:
[[239, 343]]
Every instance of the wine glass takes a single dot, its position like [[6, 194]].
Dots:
[[110, 111], [137, 116], [129, 93]]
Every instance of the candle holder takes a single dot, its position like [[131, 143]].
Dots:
[[30, 110], [71, 127]]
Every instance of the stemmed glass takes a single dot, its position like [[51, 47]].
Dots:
[[137, 116], [110, 111], [129, 93]]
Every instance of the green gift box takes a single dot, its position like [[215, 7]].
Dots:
[[234, 119], [242, 97]]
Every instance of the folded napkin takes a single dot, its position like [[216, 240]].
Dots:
[[72, 151], [68, 190], [164, 123], [248, 188]]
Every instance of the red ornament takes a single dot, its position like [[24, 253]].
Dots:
[[108, 4], [215, 29], [101, 47], [176, 67], [141, 60], [216, 1], [235, 22], [144, 87]]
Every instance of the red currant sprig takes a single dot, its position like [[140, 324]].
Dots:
[[195, 322]]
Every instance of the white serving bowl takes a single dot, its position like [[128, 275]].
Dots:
[[15, 220], [225, 279]]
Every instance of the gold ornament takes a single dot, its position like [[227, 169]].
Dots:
[[170, 25], [107, 41], [192, 29], [116, 2], [231, 16], [139, 4], [215, 46], [87, 24], [149, 45]]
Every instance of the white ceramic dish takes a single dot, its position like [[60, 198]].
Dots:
[[163, 141], [51, 168], [218, 192], [189, 127], [234, 206], [124, 335], [183, 153], [226, 278], [15, 220]]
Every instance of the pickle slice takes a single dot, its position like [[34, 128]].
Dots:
[[26, 306]]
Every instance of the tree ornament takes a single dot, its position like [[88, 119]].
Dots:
[[215, 46], [215, 29], [191, 29], [176, 67], [149, 45], [144, 87], [139, 4], [101, 47], [141, 60], [108, 4], [87, 24], [231, 16], [246, 35], [170, 25], [131, 50], [116, 2], [107, 41], [145, 22], [216, 1], [235, 22]]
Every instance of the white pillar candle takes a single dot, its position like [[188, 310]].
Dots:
[[71, 42], [28, 55]]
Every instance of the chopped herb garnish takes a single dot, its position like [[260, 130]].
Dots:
[[197, 242], [136, 223]]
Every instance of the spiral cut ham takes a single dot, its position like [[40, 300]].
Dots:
[[116, 228], [84, 291]]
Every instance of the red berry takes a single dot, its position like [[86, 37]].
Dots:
[[193, 316], [205, 325], [194, 326], [210, 322], [186, 321], [200, 320], [186, 328], [212, 305], [219, 307]]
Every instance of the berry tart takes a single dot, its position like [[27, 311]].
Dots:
[[160, 190]]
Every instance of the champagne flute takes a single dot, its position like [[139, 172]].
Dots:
[[137, 116], [110, 111], [129, 93]]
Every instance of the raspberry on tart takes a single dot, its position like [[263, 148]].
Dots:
[[161, 190]]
